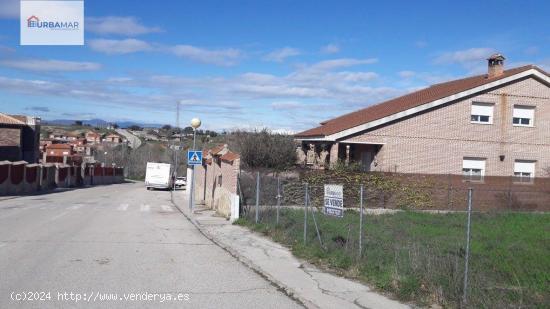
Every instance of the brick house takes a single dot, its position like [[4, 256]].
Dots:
[[495, 124], [19, 138], [93, 137], [81, 146], [113, 138], [59, 150]]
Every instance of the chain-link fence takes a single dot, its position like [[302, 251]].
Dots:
[[459, 245]]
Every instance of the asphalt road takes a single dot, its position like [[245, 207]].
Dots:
[[133, 140], [120, 242]]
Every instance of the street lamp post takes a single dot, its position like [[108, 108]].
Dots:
[[195, 124]]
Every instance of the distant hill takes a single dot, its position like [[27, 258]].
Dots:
[[99, 123]]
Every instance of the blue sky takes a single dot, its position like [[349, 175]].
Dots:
[[286, 65]]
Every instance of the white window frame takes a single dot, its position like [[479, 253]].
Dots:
[[482, 109], [473, 169], [523, 115], [524, 171]]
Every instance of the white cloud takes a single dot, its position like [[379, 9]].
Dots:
[[406, 74], [229, 56], [280, 101], [119, 46], [9, 9], [357, 76], [224, 57], [332, 64], [279, 55], [286, 105], [118, 25], [6, 50], [472, 59], [465, 57], [50, 65], [330, 49]]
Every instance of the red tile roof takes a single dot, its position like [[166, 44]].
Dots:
[[7, 119], [407, 101], [230, 156], [214, 151], [58, 146]]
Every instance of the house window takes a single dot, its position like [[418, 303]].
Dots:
[[473, 168], [523, 116], [482, 113], [524, 171]]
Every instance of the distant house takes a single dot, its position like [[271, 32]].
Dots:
[[19, 138], [61, 153], [93, 137], [72, 136], [113, 138], [494, 124], [81, 146], [59, 150]]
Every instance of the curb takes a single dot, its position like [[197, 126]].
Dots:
[[248, 263]]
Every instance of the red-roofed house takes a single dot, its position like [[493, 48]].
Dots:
[[59, 150], [495, 124], [93, 137], [113, 138]]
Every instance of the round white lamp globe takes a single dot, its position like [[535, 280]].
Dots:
[[195, 123]]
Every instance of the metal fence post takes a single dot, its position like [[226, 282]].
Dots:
[[257, 196], [467, 257], [278, 197], [306, 200], [315, 222], [361, 222]]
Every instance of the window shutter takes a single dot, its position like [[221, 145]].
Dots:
[[524, 112], [521, 166], [473, 163], [483, 109]]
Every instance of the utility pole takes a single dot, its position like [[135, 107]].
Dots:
[[195, 124]]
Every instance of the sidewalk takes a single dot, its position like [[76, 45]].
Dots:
[[299, 280]]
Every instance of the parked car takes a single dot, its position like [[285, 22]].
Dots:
[[181, 182]]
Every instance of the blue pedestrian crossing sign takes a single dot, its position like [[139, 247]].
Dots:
[[194, 157]]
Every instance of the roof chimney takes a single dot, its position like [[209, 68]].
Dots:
[[496, 65]]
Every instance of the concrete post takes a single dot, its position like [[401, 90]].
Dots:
[[333, 155]]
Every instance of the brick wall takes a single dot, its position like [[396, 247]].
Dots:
[[216, 184], [436, 142], [10, 148]]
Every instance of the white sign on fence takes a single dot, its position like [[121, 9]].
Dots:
[[334, 200]]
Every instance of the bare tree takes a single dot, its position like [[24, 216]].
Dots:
[[263, 149], [135, 160]]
